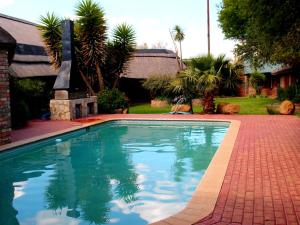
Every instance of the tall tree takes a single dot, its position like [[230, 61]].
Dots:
[[208, 28], [91, 34], [179, 36], [119, 52], [265, 32]]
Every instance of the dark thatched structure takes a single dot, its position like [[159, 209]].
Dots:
[[30, 59]]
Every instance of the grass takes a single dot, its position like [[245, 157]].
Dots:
[[249, 106]]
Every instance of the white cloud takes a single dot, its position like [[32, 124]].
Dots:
[[6, 3]]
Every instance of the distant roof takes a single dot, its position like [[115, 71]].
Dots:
[[31, 59], [266, 68], [286, 70], [151, 62]]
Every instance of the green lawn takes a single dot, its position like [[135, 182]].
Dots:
[[254, 106]]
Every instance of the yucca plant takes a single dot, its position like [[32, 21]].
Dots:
[[119, 51], [51, 34], [98, 59], [91, 35]]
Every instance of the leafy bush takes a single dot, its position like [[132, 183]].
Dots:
[[111, 99], [291, 93], [29, 99], [158, 86]]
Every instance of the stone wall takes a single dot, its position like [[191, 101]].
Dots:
[[66, 109], [5, 123]]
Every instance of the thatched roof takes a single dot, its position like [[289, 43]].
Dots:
[[8, 43], [30, 59], [151, 62]]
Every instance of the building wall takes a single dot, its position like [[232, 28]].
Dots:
[[5, 123]]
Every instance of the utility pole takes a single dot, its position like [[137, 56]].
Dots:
[[208, 28]]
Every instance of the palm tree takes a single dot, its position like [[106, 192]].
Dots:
[[186, 85], [208, 70], [231, 78], [179, 36]]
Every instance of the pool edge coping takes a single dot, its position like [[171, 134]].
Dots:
[[206, 194]]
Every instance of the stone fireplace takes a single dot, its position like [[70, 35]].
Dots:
[[71, 101]]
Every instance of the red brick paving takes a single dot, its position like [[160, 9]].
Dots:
[[39, 127], [262, 182]]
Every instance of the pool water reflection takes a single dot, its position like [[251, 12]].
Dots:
[[116, 173]]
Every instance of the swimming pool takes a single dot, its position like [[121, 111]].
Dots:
[[121, 172]]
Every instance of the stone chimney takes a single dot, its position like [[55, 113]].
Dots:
[[68, 80], [71, 100]]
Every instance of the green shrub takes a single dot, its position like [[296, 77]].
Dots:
[[111, 99], [29, 99], [291, 93], [158, 86], [281, 95]]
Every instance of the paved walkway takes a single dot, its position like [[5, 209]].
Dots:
[[262, 182], [40, 127]]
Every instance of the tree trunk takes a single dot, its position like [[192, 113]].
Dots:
[[191, 104], [176, 51], [208, 103], [181, 61], [100, 77], [116, 82], [87, 83]]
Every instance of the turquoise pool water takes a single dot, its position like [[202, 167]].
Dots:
[[121, 172]]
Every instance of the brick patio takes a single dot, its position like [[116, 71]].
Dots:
[[262, 182]]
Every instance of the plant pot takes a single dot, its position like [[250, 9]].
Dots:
[[273, 109]]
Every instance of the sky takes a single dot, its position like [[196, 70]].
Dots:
[[151, 19]]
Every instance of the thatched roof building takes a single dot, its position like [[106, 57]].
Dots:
[[30, 59], [152, 62]]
